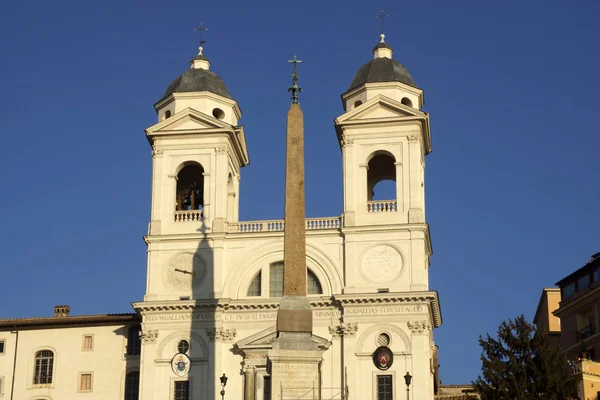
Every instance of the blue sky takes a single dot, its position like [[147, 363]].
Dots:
[[512, 182]]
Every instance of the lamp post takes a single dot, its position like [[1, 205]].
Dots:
[[407, 379], [223, 384]]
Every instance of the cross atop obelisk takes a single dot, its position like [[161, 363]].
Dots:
[[294, 313]]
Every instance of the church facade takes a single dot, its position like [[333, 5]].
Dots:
[[214, 282]]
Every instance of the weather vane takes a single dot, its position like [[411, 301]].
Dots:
[[295, 89], [201, 29], [383, 15]]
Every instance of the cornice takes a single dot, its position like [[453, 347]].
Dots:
[[576, 302], [422, 227], [199, 95], [384, 85], [339, 301], [42, 322]]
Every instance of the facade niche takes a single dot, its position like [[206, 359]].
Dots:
[[190, 188], [381, 167]]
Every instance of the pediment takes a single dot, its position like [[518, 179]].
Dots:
[[188, 120], [380, 107], [264, 340]]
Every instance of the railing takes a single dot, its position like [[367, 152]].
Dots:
[[312, 224], [379, 206], [189, 215], [585, 332]]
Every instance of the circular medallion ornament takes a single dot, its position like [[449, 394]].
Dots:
[[381, 264], [383, 358], [184, 271], [181, 364]]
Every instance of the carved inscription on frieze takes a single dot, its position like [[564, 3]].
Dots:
[[383, 310]]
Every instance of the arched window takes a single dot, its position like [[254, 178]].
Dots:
[[167, 114], [381, 168], [406, 101], [44, 365], [256, 285], [313, 286], [275, 272], [132, 385], [134, 342], [190, 188]]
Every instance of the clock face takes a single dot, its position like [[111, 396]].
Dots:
[[381, 264], [184, 271]]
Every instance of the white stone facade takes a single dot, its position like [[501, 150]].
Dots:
[[371, 261]]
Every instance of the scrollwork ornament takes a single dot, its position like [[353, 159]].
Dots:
[[345, 141], [156, 152], [418, 326], [221, 334], [344, 329], [414, 137], [149, 336]]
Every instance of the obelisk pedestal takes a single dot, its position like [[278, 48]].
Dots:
[[294, 359]]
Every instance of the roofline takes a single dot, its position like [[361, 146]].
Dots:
[[594, 261], [43, 322]]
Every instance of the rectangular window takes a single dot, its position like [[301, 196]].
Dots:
[[1, 346], [85, 382], [597, 275], [568, 290], [181, 390], [384, 387], [267, 389], [276, 280], [88, 342], [583, 282]]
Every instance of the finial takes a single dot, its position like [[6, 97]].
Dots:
[[383, 15], [295, 89], [201, 29], [381, 41]]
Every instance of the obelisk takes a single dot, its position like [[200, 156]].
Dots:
[[294, 313], [295, 357]]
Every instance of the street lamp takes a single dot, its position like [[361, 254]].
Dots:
[[223, 384], [407, 379]]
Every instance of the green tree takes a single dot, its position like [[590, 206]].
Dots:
[[521, 365]]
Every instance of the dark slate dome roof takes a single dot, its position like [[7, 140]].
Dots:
[[198, 80], [382, 70]]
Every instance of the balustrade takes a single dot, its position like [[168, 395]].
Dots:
[[379, 206], [279, 225], [189, 215]]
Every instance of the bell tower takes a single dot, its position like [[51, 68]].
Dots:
[[198, 149], [384, 136]]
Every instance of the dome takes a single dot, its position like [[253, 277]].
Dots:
[[382, 70], [198, 80]]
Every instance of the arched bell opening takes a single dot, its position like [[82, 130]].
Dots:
[[190, 188], [381, 177]]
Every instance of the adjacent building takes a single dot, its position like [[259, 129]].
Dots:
[[65, 357], [579, 309], [544, 319], [568, 314]]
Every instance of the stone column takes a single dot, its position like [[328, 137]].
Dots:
[[249, 379]]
